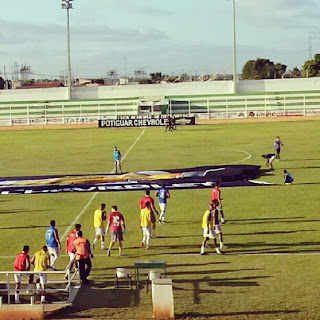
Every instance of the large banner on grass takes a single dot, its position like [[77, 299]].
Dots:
[[184, 178], [145, 121]]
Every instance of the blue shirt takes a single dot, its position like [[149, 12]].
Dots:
[[288, 177], [50, 239], [162, 195], [116, 154]]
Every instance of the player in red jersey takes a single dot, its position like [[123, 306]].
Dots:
[[22, 263], [115, 222], [69, 247], [216, 195], [148, 198]]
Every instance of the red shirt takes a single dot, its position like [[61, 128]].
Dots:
[[215, 194], [69, 242], [115, 218], [143, 201], [20, 263]]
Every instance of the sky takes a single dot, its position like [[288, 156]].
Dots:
[[168, 36]]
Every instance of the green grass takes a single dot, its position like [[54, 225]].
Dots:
[[269, 271]]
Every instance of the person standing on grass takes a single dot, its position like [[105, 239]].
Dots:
[[277, 147], [69, 246], [53, 243], [216, 196], [143, 200], [117, 160], [270, 158], [115, 221], [145, 224], [83, 253], [216, 225], [98, 223], [208, 229], [287, 177], [162, 194], [22, 263], [41, 262]]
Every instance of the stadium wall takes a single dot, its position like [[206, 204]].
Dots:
[[168, 89]]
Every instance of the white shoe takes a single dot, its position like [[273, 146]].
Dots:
[[218, 251], [103, 247], [17, 301]]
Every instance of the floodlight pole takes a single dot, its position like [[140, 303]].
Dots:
[[234, 47], [67, 4]]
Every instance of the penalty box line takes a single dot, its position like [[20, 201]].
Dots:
[[82, 211]]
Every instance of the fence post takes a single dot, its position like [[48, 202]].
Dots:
[[80, 111], [63, 117], [8, 286], [45, 113], [115, 108], [227, 112], [208, 109], [28, 120], [189, 107], [246, 107], [284, 105], [170, 108], [304, 105], [10, 115]]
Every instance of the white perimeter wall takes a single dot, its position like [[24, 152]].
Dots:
[[156, 90]]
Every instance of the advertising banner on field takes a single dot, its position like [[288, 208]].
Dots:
[[183, 178], [144, 121]]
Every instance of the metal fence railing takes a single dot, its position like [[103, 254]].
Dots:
[[7, 285]]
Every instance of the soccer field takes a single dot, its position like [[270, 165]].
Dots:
[[269, 271]]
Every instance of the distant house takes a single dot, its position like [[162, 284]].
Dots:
[[42, 85]]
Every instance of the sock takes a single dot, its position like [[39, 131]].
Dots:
[[102, 244], [148, 241], [16, 296], [202, 249], [94, 240], [43, 298], [38, 286], [120, 250]]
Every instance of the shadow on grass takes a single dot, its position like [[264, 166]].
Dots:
[[22, 211], [269, 220], [269, 232], [195, 315], [28, 227]]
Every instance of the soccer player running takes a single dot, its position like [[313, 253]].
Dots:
[[98, 223], [81, 246], [41, 262], [162, 194], [53, 243], [115, 221], [143, 200], [208, 229], [270, 158], [287, 177], [145, 224], [22, 263], [69, 247], [216, 196], [117, 160], [277, 147]]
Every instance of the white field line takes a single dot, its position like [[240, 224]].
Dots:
[[82, 211], [240, 151]]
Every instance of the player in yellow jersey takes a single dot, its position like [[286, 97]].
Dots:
[[208, 229], [145, 223], [41, 262], [99, 219]]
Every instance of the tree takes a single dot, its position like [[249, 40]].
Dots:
[[1, 83], [262, 69], [311, 68]]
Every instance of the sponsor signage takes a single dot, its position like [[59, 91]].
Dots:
[[185, 178], [144, 121], [81, 119]]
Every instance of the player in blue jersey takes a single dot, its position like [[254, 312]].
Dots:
[[117, 160], [162, 194], [277, 147], [216, 224], [53, 243], [287, 177]]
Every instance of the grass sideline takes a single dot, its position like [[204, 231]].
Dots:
[[270, 268]]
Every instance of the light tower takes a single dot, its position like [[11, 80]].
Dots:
[[67, 4]]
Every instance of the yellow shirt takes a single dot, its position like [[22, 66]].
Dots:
[[97, 219], [145, 218], [41, 260], [204, 219]]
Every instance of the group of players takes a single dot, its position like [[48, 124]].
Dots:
[[270, 157]]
